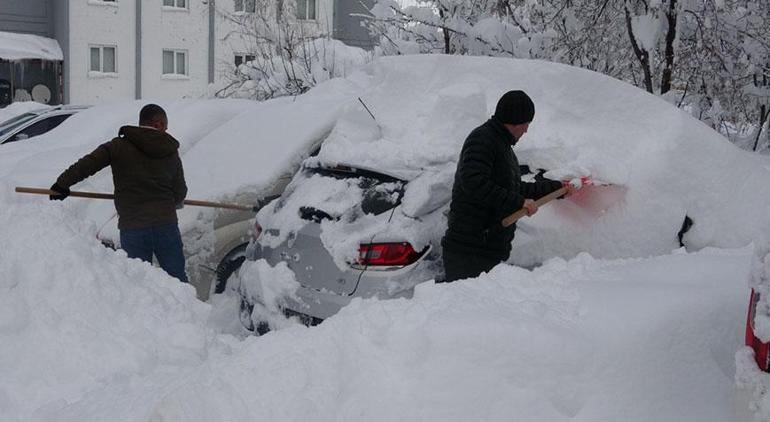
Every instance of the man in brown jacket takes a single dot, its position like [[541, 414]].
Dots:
[[149, 188]]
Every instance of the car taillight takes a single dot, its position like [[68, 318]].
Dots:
[[761, 350], [387, 254]]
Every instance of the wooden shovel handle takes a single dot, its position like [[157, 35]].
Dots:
[[196, 203], [507, 221], [94, 195]]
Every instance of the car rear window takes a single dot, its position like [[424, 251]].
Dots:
[[15, 122], [380, 192]]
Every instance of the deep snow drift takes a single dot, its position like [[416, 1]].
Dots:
[[90, 335], [86, 334]]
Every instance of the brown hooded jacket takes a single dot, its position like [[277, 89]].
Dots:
[[146, 171]]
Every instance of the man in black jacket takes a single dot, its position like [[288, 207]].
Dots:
[[149, 187], [487, 188]]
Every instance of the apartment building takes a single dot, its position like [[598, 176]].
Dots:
[[162, 49]]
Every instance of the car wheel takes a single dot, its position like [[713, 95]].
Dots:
[[230, 264]]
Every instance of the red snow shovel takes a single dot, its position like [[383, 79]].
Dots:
[[576, 183], [95, 195]]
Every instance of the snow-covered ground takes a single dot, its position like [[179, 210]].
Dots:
[[88, 335]]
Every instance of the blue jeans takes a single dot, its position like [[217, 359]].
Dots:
[[164, 242]]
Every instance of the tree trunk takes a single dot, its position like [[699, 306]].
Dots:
[[445, 33], [642, 55], [671, 17], [763, 112]]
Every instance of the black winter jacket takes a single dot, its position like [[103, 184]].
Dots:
[[487, 188], [147, 173]]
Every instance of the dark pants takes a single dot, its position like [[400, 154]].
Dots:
[[458, 265], [164, 242]]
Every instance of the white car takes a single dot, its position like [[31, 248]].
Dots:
[[34, 123]]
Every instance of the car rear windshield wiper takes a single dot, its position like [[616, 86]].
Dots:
[[313, 214]]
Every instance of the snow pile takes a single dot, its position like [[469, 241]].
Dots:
[[14, 46], [267, 289], [267, 140], [584, 340], [75, 315]]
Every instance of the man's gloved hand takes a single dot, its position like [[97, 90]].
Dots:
[[569, 185], [61, 193], [529, 207]]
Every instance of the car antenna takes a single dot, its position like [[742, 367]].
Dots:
[[367, 110], [379, 128]]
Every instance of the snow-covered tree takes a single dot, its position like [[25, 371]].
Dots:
[[711, 57], [479, 27]]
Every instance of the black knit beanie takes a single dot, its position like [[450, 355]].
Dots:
[[515, 107]]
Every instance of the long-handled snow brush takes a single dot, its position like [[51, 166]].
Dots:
[[94, 195], [577, 184]]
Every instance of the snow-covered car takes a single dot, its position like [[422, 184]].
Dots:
[[753, 362], [387, 266], [36, 122], [319, 248], [761, 349]]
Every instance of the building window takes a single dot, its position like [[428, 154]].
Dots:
[[104, 2], [247, 6], [306, 10], [175, 62], [177, 4], [103, 59], [243, 58]]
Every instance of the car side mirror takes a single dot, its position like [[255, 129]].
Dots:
[[22, 136]]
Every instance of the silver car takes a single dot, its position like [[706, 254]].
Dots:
[[387, 266]]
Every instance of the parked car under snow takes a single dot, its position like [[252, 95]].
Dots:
[[34, 123], [320, 248]]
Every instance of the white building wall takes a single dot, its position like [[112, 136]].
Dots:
[[94, 22], [179, 29]]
